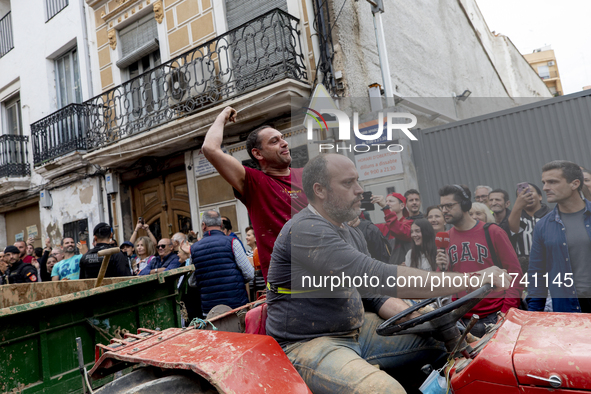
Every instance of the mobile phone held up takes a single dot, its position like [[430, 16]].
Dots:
[[366, 203], [141, 220], [522, 186]]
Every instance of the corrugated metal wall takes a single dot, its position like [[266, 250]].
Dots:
[[504, 148]]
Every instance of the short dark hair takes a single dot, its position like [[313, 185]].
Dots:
[[253, 141], [226, 224], [570, 171], [64, 238], [503, 192], [102, 231], [315, 171], [411, 191], [39, 252], [453, 189], [248, 229]]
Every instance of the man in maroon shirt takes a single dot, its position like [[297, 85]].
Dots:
[[468, 251], [272, 194]]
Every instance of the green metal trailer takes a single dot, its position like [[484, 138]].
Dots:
[[39, 324]]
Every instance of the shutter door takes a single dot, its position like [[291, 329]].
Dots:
[[137, 35], [253, 48], [242, 11]]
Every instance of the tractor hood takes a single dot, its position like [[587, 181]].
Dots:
[[553, 344]]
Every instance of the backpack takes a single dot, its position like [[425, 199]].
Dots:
[[490, 245]]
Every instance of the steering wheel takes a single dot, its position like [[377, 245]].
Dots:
[[436, 321]]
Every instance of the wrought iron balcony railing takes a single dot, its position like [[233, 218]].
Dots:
[[6, 43], [53, 7], [258, 53], [14, 160], [60, 133]]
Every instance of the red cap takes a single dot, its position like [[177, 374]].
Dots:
[[398, 196]]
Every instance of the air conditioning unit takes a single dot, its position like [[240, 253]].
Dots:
[[177, 83], [551, 63], [111, 184], [45, 199]]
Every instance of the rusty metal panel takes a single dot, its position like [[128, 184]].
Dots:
[[37, 339], [504, 148]]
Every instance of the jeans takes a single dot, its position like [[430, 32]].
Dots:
[[346, 363]]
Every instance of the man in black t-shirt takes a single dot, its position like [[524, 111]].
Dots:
[[90, 263]]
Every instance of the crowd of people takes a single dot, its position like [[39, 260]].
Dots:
[[309, 222]]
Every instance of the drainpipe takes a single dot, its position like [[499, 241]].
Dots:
[[86, 48], [377, 9], [101, 202]]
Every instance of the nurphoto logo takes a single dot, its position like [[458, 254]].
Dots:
[[315, 119]]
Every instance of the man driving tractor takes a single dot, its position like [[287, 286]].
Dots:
[[331, 341]]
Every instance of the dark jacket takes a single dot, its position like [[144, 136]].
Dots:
[[20, 272], [45, 276], [549, 256], [505, 223], [377, 244], [90, 263], [220, 280], [169, 262]]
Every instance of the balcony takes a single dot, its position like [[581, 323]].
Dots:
[[552, 74], [59, 133], [6, 43], [14, 160], [255, 55]]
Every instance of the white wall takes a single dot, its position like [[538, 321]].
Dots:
[[433, 50], [3, 240], [36, 45], [74, 202]]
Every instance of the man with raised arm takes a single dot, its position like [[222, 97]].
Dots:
[[272, 194]]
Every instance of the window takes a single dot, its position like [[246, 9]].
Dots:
[[141, 53], [77, 230], [14, 125], [543, 72], [53, 7], [67, 78]]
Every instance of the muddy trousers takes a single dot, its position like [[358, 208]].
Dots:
[[347, 363]]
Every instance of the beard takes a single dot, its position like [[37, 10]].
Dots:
[[341, 211], [453, 219], [70, 249]]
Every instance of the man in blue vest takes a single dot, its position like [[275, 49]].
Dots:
[[221, 266]]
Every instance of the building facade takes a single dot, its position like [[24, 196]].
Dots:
[[543, 61], [147, 79]]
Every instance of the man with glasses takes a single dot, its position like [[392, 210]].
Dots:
[[165, 261], [481, 194], [469, 251]]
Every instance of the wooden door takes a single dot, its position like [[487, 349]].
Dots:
[[163, 203]]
